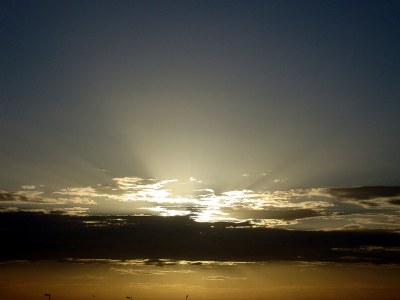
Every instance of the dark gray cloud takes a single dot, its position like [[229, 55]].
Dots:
[[160, 262], [40, 198], [69, 211], [282, 214], [365, 192], [394, 201], [10, 196], [369, 197], [62, 211], [51, 236]]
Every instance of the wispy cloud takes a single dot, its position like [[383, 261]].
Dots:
[[156, 262], [70, 211], [64, 211], [39, 197], [28, 187], [148, 272], [223, 278], [28, 196]]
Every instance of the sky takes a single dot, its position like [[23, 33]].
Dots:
[[200, 132]]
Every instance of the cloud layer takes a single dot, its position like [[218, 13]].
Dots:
[[38, 236], [338, 208]]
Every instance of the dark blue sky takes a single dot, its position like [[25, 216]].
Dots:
[[304, 91]]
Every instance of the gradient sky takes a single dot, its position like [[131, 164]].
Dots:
[[274, 122], [211, 89], [206, 108]]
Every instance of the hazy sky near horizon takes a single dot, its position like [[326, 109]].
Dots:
[[306, 92], [107, 279]]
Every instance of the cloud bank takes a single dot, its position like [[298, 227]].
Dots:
[[38, 236]]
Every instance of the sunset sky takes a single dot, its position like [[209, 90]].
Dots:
[[221, 149]]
